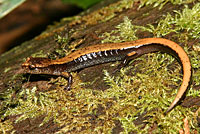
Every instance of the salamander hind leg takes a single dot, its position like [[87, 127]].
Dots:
[[121, 65], [68, 76], [125, 61]]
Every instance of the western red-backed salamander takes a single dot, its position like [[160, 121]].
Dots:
[[103, 53]]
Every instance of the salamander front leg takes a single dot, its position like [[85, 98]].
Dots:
[[69, 77]]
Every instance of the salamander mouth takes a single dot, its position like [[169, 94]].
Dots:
[[28, 69]]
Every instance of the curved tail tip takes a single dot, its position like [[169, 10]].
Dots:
[[168, 110], [171, 106]]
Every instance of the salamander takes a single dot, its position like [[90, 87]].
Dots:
[[103, 53]]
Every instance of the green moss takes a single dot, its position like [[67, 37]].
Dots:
[[5, 127], [185, 20], [188, 20], [61, 40], [153, 85], [161, 3], [103, 14], [163, 27], [7, 69], [125, 30], [195, 58], [39, 54], [155, 75], [29, 105]]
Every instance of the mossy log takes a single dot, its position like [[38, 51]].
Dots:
[[113, 21]]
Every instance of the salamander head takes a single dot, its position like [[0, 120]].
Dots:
[[40, 66], [32, 63], [37, 66]]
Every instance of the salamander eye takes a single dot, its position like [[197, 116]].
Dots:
[[31, 66]]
